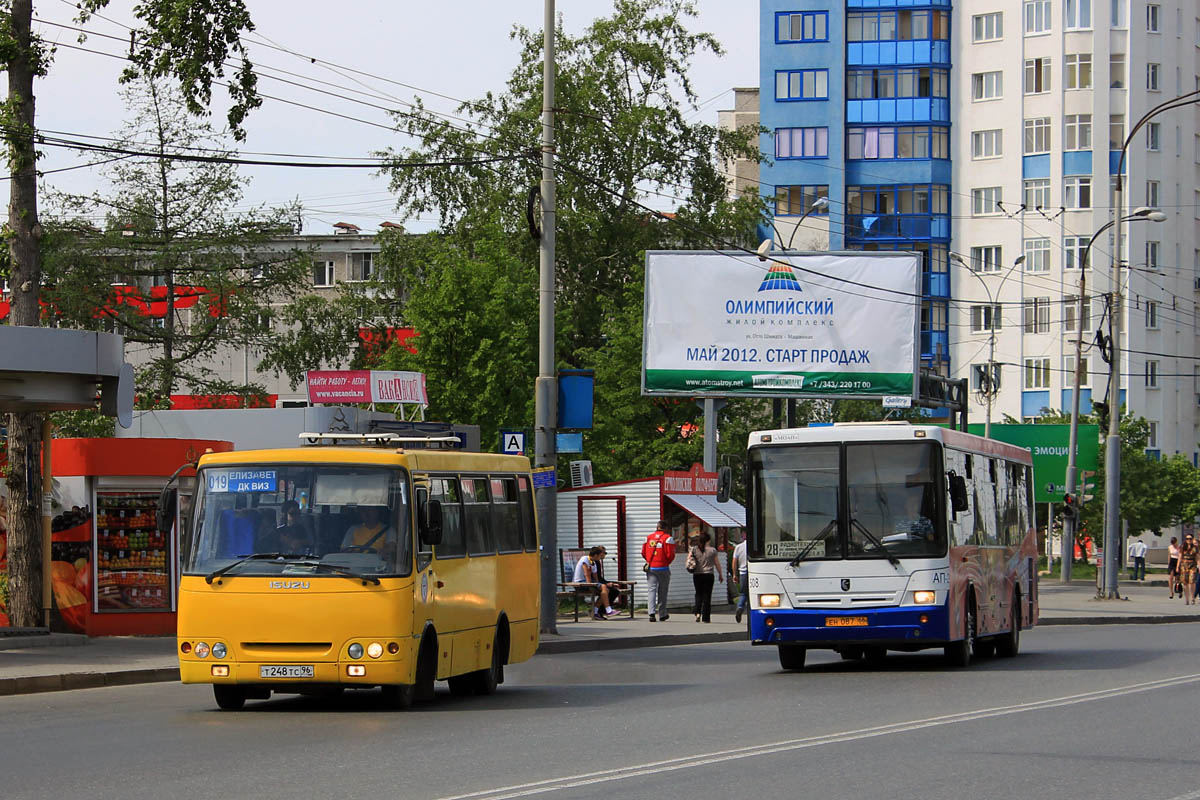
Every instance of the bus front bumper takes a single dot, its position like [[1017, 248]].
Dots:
[[820, 628], [329, 673]]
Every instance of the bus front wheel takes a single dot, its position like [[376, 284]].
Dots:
[[229, 698], [958, 653], [792, 656]]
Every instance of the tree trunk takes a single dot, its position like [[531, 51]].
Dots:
[[24, 429]]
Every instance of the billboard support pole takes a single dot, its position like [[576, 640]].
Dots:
[[711, 406]]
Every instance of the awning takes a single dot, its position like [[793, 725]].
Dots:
[[730, 514]]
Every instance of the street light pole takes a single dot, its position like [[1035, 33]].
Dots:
[[1068, 543]]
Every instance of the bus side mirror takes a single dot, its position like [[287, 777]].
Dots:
[[429, 518], [958, 492], [724, 483], [164, 516]]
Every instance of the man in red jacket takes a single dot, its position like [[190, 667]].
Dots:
[[659, 552]]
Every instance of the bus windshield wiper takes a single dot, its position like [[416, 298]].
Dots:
[[210, 577], [875, 540], [340, 570], [820, 537]]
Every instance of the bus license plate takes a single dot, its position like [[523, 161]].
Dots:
[[845, 622], [285, 671]]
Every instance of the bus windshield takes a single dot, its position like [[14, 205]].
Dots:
[[289, 519], [857, 500]]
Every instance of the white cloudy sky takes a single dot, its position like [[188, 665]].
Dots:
[[459, 49]]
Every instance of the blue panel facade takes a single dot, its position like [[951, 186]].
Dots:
[[1077, 162], [1032, 403], [907, 135], [1035, 166], [1085, 401]]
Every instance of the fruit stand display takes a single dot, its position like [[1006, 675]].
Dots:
[[131, 553]]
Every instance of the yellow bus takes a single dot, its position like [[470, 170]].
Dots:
[[379, 564]]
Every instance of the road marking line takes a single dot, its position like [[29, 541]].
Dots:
[[657, 767]]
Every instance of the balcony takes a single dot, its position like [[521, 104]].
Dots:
[[874, 227]]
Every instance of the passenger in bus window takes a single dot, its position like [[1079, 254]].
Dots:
[[293, 535]]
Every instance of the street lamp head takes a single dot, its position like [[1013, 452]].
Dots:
[[820, 202], [1156, 216], [763, 248], [1019, 261], [956, 258]]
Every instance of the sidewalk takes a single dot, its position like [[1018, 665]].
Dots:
[[31, 664]]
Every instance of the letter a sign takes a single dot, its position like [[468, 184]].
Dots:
[[512, 443]]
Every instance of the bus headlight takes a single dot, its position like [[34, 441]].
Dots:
[[218, 650], [201, 650], [355, 650], [924, 598], [768, 601], [374, 649]]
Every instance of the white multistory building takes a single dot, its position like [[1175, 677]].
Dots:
[[1044, 93]]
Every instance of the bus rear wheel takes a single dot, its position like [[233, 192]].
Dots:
[[229, 698], [792, 656], [1009, 644]]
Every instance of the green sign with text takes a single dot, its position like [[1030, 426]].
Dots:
[[1050, 445]]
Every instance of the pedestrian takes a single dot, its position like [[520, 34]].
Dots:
[[1188, 555], [587, 570], [704, 556], [659, 552], [1137, 556], [1173, 568], [741, 568]]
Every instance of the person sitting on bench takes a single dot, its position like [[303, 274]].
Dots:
[[588, 570]]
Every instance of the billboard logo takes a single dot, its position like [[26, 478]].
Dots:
[[777, 381], [779, 276]]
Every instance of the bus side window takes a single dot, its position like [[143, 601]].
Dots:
[[528, 524], [420, 497], [506, 515], [446, 490], [477, 517]]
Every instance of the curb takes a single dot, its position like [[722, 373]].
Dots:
[[560, 645], [42, 640], [86, 680], [1163, 619]]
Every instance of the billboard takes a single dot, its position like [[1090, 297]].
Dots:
[[365, 386], [838, 324], [1050, 446]]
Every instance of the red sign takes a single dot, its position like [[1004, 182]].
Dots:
[[339, 386], [694, 481]]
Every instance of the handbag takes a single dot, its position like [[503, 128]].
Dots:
[[691, 560]]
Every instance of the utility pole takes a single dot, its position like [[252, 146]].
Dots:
[[546, 395], [1112, 449]]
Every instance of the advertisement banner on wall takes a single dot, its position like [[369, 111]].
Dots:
[[790, 325], [1050, 446], [366, 386]]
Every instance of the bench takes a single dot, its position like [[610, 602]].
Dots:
[[569, 589]]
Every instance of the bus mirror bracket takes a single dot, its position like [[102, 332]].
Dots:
[[724, 483], [165, 513], [958, 492]]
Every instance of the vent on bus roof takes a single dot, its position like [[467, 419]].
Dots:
[[581, 473]]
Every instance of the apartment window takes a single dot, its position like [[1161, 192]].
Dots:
[[1037, 255], [1152, 438], [1037, 373], [1077, 191], [1077, 14], [1152, 194], [362, 266], [1035, 315], [1152, 73], [1037, 193], [1152, 249], [988, 258], [322, 273], [987, 144], [1037, 135], [920, 199], [1151, 374], [1085, 379], [985, 379], [985, 318], [1074, 251], [1118, 13], [884, 83], [1116, 131], [1037, 75], [1152, 16], [919, 141], [802, 84], [803, 26], [1116, 71], [1037, 16], [986, 200], [1077, 132], [987, 27], [797, 200], [1071, 312], [886, 26], [1153, 136], [802, 143], [1079, 70], [987, 85], [1151, 315]]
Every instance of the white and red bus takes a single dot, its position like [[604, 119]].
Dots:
[[869, 537]]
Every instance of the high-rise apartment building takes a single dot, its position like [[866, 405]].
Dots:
[[986, 134]]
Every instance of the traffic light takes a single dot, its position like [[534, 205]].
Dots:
[[1070, 506], [1085, 489]]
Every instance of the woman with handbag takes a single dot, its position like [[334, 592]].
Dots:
[[702, 563]]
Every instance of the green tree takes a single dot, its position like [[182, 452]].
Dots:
[[173, 241], [191, 42]]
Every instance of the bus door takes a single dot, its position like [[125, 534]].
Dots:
[[433, 601]]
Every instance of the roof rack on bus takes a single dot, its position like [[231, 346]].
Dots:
[[874, 422], [381, 438]]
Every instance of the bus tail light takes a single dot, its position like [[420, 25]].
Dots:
[[924, 598], [768, 601], [356, 670]]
